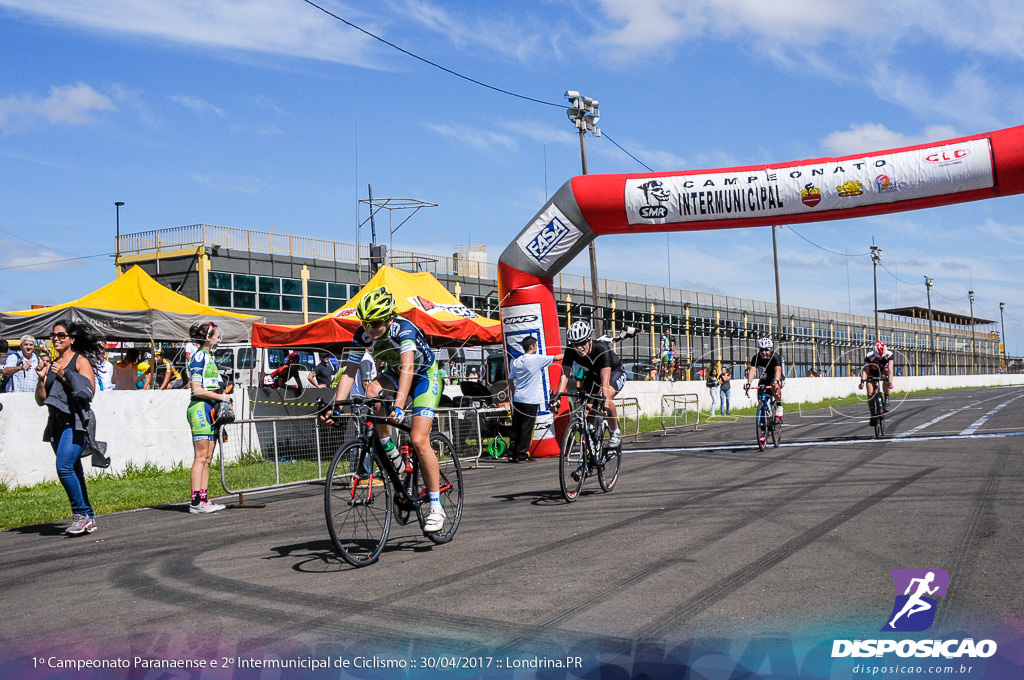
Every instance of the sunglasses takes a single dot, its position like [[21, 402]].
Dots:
[[374, 324], [58, 336]]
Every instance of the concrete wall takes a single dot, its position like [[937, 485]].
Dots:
[[139, 427], [150, 427], [800, 390]]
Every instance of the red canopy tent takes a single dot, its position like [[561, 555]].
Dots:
[[421, 298]]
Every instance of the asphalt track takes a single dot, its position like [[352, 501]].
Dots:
[[705, 544]]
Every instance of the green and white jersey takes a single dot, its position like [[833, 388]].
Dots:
[[203, 370]]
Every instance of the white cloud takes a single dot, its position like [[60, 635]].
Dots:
[[869, 137], [197, 104], [268, 26], [485, 140], [65, 105]]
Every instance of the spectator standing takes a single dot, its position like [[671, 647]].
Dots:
[[105, 375], [711, 380], [66, 387], [725, 385], [526, 386], [20, 367], [204, 379], [126, 371], [322, 374]]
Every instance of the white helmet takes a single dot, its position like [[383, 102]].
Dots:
[[579, 332], [765, 343]]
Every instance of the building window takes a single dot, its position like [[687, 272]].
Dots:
[[220, 298], [317, 305], [317, 289], [291, 287], [245, 300], [270, 284], [271, 302], [246, 283], [291, 303], [219, 280], [338, 291]]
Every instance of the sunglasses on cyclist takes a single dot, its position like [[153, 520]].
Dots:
[[380, 323]]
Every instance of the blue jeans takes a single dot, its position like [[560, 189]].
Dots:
[[725, 401], [69, 470]]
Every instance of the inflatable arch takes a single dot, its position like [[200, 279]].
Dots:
[[908, 178]]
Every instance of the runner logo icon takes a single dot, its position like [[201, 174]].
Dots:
[[916, 603]]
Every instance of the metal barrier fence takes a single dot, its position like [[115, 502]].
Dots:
[[629, 417], [678, 406], [268, 453]]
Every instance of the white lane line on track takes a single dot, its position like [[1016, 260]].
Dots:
[[981, 421], [831, 442], [931, 422]]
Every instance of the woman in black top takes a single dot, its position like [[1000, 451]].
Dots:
[[66, 386]]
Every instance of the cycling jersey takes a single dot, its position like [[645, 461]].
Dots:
[[878, 362], [403, 336], [203, 370], [765, 367], [601, 356]]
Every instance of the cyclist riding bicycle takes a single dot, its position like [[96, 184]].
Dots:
[[602, 371], [879, 363], [769, 367], [408, 370]]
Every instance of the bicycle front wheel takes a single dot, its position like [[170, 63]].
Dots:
[[450, 486], [608, 469], [776, 433], [761, 421], [572, 463], [358, 508]]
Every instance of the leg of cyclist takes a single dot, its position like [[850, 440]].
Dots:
[[611, 384], [425, 395], [385, 385]]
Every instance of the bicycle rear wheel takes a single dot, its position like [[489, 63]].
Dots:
[[878, 417], [608, 469], [761, 421], [572, 463], [358, 511], [450, 486]]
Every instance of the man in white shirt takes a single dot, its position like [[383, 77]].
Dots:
[[21, 367], [526, 385]]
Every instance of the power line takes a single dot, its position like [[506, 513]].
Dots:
[[46, 262], [427, 61], [827, 250], [456, 73]]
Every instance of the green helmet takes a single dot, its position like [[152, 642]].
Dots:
[[376, 305]]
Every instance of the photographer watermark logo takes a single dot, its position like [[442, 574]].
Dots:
[[916, 591]]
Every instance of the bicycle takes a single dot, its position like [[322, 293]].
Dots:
[[878, 406], [765, 421], [364, 491], [585, 448]]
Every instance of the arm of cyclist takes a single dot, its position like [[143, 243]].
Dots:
[[406, 371]]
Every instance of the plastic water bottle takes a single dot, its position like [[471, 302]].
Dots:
[[406, 459], [778, 411]]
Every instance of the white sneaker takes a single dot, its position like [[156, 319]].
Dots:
[[434, 521], [615, 440], [205, 507]]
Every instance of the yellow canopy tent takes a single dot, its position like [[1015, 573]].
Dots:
[[132, 307]]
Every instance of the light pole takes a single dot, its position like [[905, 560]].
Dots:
[[1002, 334], [117, 234], [584, 112], [974, 358], [931, 325], [876, 257]]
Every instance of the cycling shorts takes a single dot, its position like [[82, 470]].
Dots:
[[200, 419], [424, 393], [617, 380]]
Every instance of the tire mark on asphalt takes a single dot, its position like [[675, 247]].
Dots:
[[966, 552], [752, 570], [596, 597]]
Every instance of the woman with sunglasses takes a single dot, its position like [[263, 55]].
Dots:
[[409, 371], [769, 368], [66, 386], [204, 379]]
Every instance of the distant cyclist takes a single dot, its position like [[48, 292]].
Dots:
[[603, 373], [769, 368], [408, 371], [879, 363]]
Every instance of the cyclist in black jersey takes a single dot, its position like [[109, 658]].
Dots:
[[768, 367], [603, 371]]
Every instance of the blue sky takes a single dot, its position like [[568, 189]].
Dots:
[[274, 115]]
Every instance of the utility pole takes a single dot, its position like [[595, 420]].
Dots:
[[974, 356], [928, 282], [876, 257], [1002, 334], [584, 112]]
